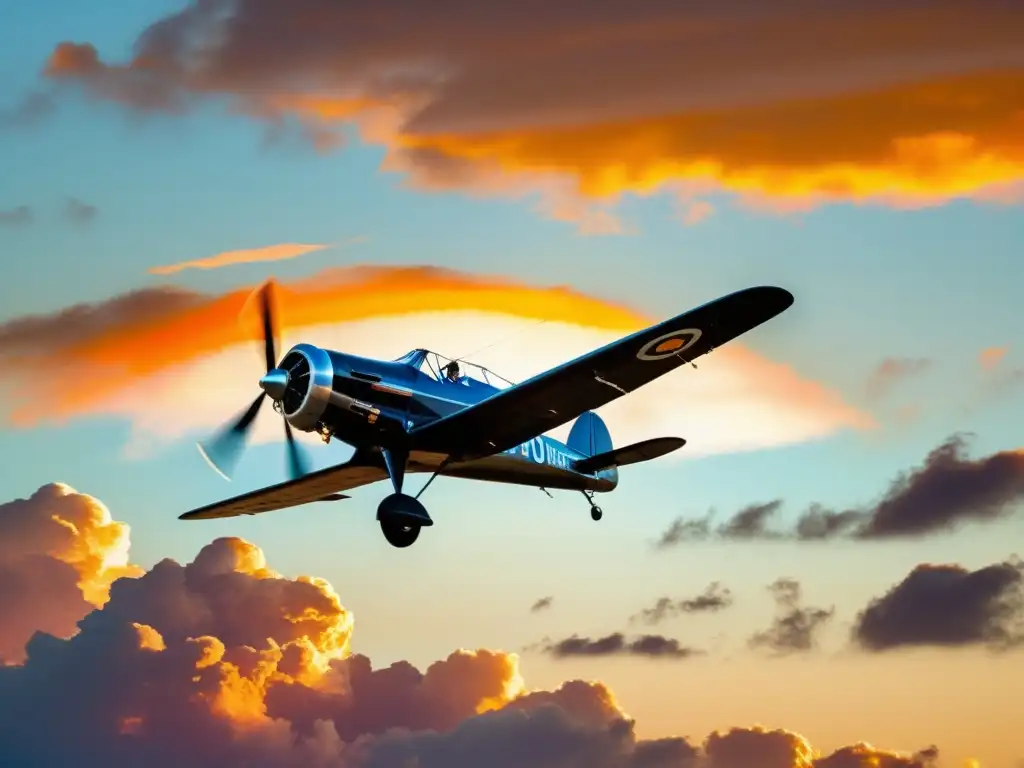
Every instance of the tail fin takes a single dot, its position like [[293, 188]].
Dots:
[[590, 436]]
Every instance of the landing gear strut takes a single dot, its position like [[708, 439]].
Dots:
[[595, 511], [401, 516]]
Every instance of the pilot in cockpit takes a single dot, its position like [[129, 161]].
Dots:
[[451, 371]]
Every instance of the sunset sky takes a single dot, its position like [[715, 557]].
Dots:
[[825, 575]]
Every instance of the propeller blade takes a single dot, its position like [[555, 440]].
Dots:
[[222, 451], [267, 315], [297, 466]]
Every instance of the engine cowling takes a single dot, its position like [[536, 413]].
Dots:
[[310, 386]]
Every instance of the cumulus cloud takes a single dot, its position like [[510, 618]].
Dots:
[[223, 662], [280, 252], [600, 100], [796, 627], [948, 490], [714, 598], [866, 756], [209, 364], [59, 552], [947, 606]]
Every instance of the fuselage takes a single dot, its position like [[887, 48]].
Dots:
[[372, 402]]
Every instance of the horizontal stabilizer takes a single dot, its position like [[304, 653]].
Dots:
[[645, 450]]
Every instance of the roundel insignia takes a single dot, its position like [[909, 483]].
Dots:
[[670, 344]]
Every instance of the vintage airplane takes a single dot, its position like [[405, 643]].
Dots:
[[419, 414]]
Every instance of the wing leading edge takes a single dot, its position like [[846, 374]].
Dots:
[[315, 486], [555, 397]]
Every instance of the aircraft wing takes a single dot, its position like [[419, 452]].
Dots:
[[311, 487], [515, 415]]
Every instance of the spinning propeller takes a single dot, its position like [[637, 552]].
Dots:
[[222, 451]]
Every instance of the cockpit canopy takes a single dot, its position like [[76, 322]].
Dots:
[[434, 364]]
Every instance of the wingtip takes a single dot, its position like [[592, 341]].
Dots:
[[771, 299], [783, 296]]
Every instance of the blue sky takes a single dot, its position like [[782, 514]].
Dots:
[[870, 282]]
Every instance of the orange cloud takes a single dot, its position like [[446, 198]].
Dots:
[[890, 103], [911, 145], [991, 357], [248, 256], [696, 212], [223, 662], [747, 401]]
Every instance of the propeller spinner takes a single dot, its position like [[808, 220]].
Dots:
[[223, 449]]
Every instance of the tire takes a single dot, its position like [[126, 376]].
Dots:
[[399, 533]]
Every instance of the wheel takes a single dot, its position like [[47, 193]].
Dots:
[[401, 518], [595, 513], [398, 532]]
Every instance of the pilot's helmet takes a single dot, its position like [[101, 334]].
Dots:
[[453, 369]]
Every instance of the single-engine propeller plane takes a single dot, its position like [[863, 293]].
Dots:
[[422, 413]]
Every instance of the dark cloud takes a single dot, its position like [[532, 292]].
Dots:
[[542, 604], [820, 522], [16, 217], [79, 212], [891, 372], [223, 663], [749, 524], [795, 628], [682, 530], [347, 43], [29, 112], [616, 644], [948, 490], [75, 211], [714, 598], [947, 606], [513, 738]]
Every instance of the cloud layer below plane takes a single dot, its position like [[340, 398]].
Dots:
[[207, 366], [788, 106], [170, 673]]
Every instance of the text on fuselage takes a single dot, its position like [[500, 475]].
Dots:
[[540, 451]]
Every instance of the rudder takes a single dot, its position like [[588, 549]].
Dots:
[[590, 436]]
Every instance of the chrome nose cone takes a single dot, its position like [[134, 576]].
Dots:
[[275, 383]]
